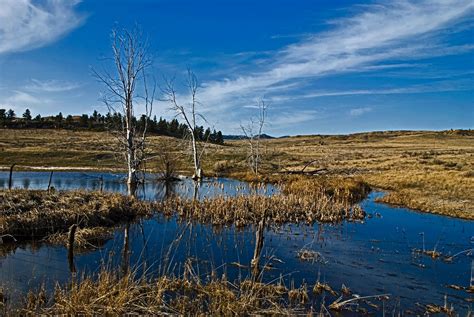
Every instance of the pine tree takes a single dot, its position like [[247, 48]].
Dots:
[[219, 138], [207, 134], [84, 121], [10, 115], [3, 117], [27, 116]]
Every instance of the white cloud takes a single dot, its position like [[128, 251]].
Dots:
[[359, 111], [19, 100], [286, 119], [386, 31], [51, 85], [29, 24], [21, 97], [444, 86]]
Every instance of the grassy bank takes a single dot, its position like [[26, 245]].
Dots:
[[428, 171]]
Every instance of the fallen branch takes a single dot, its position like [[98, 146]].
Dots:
[[338, 305]]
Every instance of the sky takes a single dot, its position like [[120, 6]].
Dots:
[[322, 66]]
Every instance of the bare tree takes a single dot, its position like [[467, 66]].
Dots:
[[253, 133], [188, 112], [126, 86]]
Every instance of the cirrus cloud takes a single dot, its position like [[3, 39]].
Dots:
[[29, 24], [383, 32]]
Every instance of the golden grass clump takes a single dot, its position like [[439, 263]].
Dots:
[[278, 209], [306, 200], [108, 294], [84, 238], [27, 214], [338, 188]]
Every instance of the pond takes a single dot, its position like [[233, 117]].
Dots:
[[373, 257]]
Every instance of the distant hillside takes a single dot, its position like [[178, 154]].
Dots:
[[387, 134], [241, 137], [107, 122]]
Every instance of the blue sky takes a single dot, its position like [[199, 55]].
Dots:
[[323, 66]]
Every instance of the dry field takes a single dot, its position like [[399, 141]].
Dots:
[[427, 171]]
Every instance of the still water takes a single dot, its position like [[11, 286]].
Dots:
[[373, 257]]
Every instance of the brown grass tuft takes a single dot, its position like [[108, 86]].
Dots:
[[36, 214]]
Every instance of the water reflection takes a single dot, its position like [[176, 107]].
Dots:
[[150, 190], [26, 183]]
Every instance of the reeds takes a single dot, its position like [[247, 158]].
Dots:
[[33, 214], [340, 189], [111, 295], [36, 214], [246, 210], [301, 200]]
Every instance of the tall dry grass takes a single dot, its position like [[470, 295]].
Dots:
[[34, 214], [302, 200], [111, 295]]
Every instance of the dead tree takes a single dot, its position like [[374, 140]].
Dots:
[[253, 133], [188, 112], [126, 86]]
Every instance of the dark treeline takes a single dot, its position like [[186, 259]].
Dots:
[[99, 122]]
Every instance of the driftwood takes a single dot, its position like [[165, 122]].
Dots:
[[338, 304]]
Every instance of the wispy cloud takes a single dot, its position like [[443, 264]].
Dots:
[[439, 86], [356, 112], [286, 119], [21, 99], [52, 85], [386, 31], [29, 24]]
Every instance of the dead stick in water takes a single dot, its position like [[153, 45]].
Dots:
[[255, 263], [101, 183], [50, 178], [70, 247], [11, 177]]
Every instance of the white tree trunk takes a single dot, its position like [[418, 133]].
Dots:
[[197, 165], [132, 178]]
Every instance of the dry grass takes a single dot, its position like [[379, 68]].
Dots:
[[429, 171], [36, 214], [279, 209], [301, 201], [111, 295], [84, 238]]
